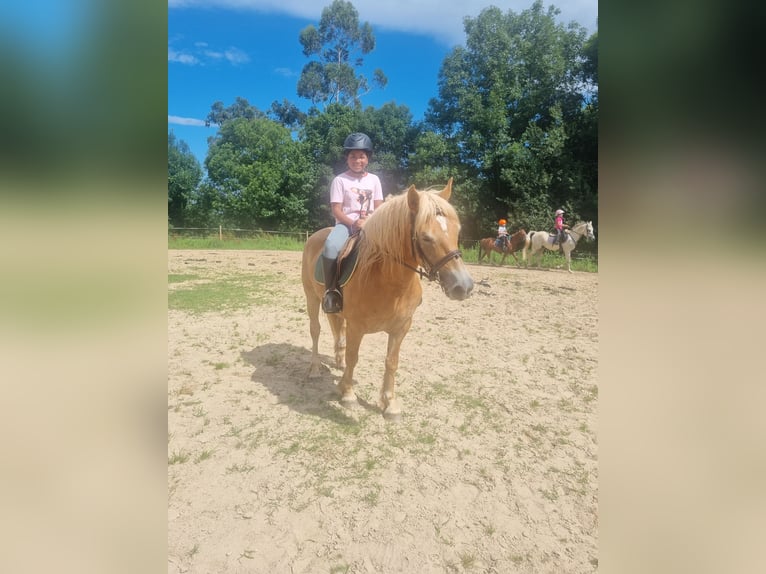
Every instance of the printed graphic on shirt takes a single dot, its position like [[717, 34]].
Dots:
[[364, 197]]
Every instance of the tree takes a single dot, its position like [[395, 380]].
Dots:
[[184, 176], [511, 101], [287, 114], [332, 78], [241, 108], [261, 176]]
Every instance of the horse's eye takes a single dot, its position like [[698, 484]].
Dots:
[[428, 238]]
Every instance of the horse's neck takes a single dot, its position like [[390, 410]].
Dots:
[[578, 230]]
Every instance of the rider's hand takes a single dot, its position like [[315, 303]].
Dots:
[[359, 223]]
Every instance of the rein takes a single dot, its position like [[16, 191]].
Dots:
[[430, 270], [579, 234]]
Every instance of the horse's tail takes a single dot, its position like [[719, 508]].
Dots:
[[527, 244]]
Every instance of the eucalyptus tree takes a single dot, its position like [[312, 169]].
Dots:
[[241, 108], [339, 44]]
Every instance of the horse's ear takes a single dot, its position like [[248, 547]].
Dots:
[[447, 191], [413, 199]]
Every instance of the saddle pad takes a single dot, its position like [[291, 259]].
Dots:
[[347, 266]]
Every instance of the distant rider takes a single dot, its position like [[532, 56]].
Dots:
[[560, 227], [502, 235]]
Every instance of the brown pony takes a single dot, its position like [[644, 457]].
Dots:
[[410, 236], [517, 241]]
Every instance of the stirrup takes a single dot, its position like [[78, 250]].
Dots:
[[332, 302]]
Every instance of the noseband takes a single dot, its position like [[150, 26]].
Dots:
[[430, 269]]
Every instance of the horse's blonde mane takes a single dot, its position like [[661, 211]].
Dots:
[[387, 238]]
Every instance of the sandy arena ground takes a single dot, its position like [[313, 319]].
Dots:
[[493, 468]]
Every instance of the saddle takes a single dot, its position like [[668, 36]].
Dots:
[[347, 259], [502, 243]]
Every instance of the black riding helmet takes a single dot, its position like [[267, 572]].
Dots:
[[358, 140]]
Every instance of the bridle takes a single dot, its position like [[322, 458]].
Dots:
[[579, 234], [428, 269]]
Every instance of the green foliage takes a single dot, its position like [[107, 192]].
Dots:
[[184, 175], [510, 99], [515, 124], [332, 78], [241, 108], [260, 175]]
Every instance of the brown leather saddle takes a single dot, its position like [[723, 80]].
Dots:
[[347, 259]]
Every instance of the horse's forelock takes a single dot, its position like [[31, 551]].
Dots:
[[432, 205]]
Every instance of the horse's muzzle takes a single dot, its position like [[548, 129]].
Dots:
[[457, 286]]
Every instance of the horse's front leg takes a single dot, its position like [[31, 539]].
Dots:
[[346, 385], [568, 255], [391, 406], [312, 304], [338, 325]]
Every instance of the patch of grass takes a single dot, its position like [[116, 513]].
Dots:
[[489, 530], [468, 560], [373, 496], [181, 277], [256, 240], [225, 294], [236, 467], [199, 411], [426, 438], [178, 457], [204, 455]]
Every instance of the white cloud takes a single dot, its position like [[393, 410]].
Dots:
[[236, 56], [232, 55], [185, 121], [181, 58], [436, 18], [286, 72]]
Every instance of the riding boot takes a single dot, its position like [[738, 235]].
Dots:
[[332, 302]]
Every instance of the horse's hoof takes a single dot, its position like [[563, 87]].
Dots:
[[349, 400], [392, 411], [393, 417]]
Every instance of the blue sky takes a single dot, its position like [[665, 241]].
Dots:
[[221, 49]]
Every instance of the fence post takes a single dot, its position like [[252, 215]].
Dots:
[[220, 233]]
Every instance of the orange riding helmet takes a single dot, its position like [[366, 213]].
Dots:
[[502, 222]]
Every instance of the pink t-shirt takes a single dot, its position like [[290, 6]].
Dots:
[[353, 191], [559, 222]]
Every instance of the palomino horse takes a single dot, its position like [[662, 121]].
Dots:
[[539, 239], [410, 236], [516, 242]]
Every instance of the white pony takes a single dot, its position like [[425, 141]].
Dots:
[[539, 239]]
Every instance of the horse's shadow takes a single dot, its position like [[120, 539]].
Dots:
[[283, 370]]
